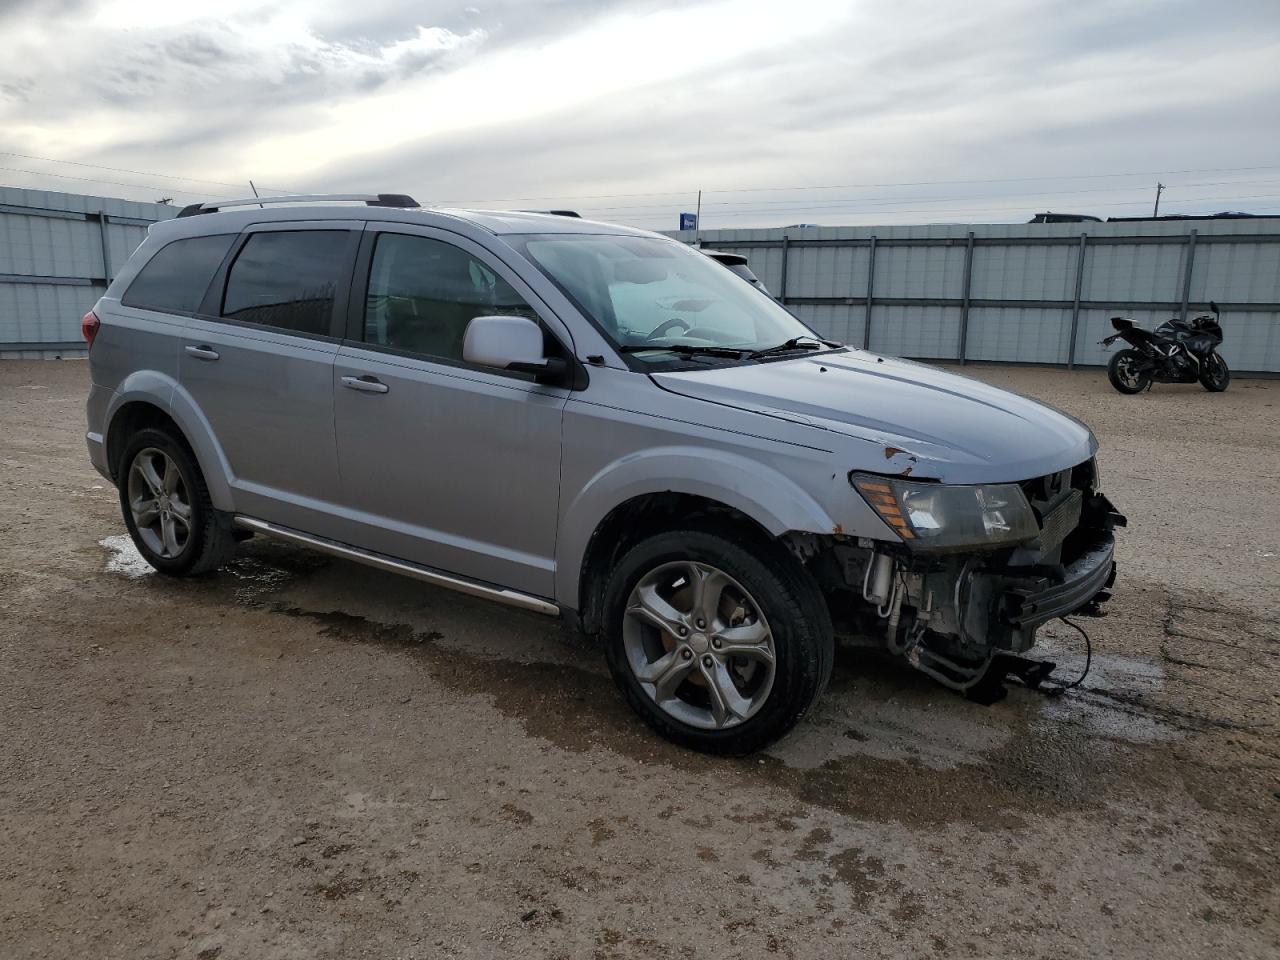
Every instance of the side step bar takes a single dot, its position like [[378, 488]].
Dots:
[[333, 548]]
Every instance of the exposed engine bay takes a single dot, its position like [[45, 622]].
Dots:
[[950, 612]]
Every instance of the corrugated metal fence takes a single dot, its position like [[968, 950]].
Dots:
[[58, 251], [1031, 293], [1039, 293]]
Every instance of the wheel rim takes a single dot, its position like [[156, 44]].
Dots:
[[699, 645], [1216, 368], [159, 503], [1125, 372]]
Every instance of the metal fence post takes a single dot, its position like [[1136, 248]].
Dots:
[[782, 286], [1186, 273], [964, 303], [871, 292], [1075, 306], [106, 248]]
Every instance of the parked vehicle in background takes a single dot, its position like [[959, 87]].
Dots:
[[1179, 351], [738, 264], [585, 420]]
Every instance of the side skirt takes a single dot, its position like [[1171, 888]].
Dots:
[[475, 588]]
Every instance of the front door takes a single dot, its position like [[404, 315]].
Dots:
[[443, 463]]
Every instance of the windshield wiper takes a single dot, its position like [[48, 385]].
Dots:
[[704, 349], [802, 342]]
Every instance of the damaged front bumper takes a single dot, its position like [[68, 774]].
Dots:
[[1028, 602], [1008, 599], [950, 615]]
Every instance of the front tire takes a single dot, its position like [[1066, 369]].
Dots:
[[1123, 373], [1214, 375], [720, 643], [167, 508]]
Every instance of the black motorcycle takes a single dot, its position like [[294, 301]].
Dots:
[[1180, 351]]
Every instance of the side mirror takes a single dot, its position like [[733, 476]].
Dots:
[[1213, 307], [509, 343]]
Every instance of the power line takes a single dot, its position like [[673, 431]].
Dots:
[[878, 200], [121, 183], [849, 186], [965, 210], [783, 207], [997, 196], [138, 173], [949, 211]]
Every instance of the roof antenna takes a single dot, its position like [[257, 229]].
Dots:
[[255, 193]]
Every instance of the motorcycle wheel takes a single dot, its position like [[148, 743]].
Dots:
[[1215, 376], [1123, 375]]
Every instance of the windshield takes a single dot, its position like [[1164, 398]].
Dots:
[[656, 299]]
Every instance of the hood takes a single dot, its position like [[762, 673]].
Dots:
[[921, 421]]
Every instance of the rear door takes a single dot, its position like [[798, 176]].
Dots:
[[257, 360], [443, 463]]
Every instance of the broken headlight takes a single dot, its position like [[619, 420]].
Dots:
[[942, 516]]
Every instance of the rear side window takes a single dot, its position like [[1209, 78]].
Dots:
[[175, 279], [287, 279]]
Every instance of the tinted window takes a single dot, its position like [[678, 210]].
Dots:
[[423, 293], [287, 279], [176, 278]]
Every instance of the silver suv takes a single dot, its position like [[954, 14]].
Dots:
[[587, 421]]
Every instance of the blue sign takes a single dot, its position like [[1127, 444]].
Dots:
[[688, 221]]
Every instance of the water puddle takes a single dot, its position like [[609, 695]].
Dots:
[[123, 557], [933, 728], [256, 579], [1113, 699]]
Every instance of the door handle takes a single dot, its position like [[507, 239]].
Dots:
[[365, 384], [203, 352]]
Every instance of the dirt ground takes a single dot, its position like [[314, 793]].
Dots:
[[300, 757]]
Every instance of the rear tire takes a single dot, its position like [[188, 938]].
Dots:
[[1214, 375], [167, 508], [1122, 375], [747, 645]]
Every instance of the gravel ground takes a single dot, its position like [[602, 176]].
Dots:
[[300, 757]]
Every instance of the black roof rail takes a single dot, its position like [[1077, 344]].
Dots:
[[557, 213], [402, 200]]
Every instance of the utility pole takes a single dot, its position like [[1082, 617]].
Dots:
[[1159, 190], [697, 221]]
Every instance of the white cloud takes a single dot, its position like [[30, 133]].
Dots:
[[566, 100], [157, 71]]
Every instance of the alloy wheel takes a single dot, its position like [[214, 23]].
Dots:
[[160, 503], [1216, 370], [1126, 372], [699, 645]]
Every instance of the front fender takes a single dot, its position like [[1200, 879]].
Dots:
[[769, 498]]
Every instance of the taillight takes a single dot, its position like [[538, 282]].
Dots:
[[89, 324]]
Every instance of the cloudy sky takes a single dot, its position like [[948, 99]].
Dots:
[[780, 111]]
